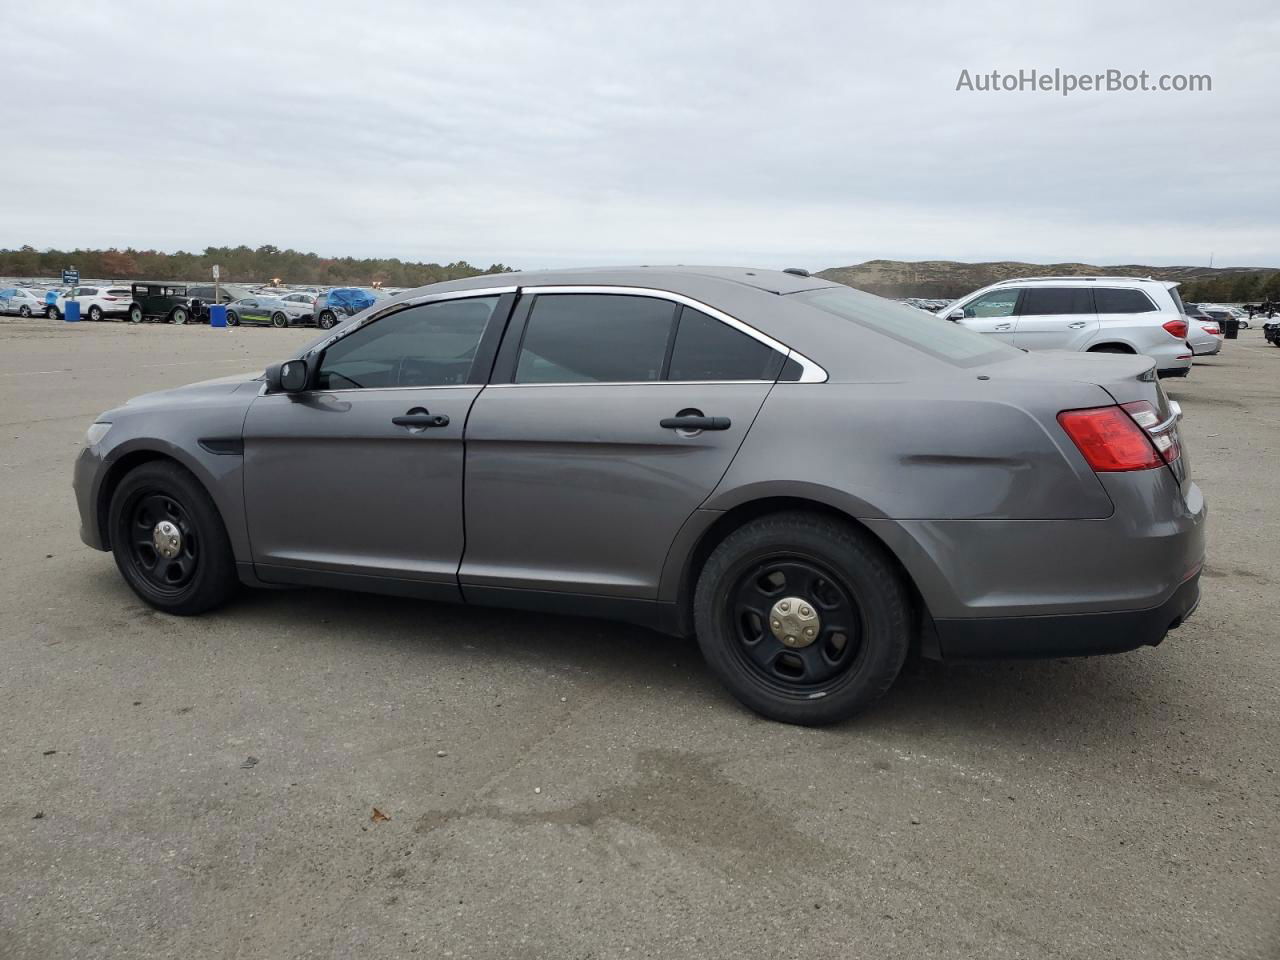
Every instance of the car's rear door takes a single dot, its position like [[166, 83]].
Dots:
[[574, 481], [361, 476], [1056, 318]]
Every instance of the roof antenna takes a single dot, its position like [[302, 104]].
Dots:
[[798, 271]]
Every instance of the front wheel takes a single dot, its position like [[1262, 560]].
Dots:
[[232, 319], [51, 313], [24, 311], [168, 540], [805, 619], [135, 314], [179, 315], [326, 320], [95, 313], [279, 320]]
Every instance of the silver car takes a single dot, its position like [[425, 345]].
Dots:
[[812, 480]]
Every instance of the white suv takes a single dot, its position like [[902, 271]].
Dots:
[[96, 301], [1097, 314]]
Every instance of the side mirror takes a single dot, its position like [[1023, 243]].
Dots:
[[955, 316], [293, 376]]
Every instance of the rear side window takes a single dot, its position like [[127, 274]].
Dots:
[[1054, 301], [706, 349], [120, 292], [1110, 300], [595, 338]]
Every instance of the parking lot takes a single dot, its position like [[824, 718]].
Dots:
[[572, 788]]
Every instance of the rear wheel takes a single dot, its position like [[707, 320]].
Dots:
[[135, 314], [179, 315], [326, 320], [95, 312], [803, 618], [51, 312], [279, 320], [168, 540]]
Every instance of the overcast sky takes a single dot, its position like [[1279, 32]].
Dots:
[[546, 134]]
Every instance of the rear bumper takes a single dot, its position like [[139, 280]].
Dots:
[[1074, 635]]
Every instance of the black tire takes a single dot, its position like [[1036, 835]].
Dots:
[[24, 311], [205, 574], [95, 313], [178, 316], [51, 312], [327, 320], [135, 314], [845, 575], [279, 320], [1110, 348], [232, 319]]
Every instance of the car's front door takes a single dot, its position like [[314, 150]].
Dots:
[[1056, 318], [618, 417], [361, 475], [994, 313]]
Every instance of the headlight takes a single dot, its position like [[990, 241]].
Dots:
[[95, 433]]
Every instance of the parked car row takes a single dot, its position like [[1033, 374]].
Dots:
[[180, 303]]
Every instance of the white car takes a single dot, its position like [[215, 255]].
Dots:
[[1093, 314], [22, 301], [1234, 312], [96, 301]]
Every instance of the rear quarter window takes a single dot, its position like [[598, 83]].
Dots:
[[1115, 300]]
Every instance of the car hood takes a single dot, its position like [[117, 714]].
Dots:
[[193, 394]]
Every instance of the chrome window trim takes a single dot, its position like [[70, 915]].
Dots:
[[630, 383], [810, 371]]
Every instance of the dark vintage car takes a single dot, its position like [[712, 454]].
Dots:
[[160, 301]]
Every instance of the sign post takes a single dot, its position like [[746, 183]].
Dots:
[[217, 272]]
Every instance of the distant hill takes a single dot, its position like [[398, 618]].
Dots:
[[947, 279]]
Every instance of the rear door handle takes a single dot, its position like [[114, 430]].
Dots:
[[419, 417], [1078, 325], [688, 422]]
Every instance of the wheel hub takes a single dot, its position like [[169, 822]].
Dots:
[[795, 622], [167, 539]]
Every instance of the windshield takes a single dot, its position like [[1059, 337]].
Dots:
[[916, 328]]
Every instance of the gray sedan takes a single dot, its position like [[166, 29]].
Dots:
[[814, 481]]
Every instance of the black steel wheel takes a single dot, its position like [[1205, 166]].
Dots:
[[169, 541], [803, 617], [796, 627]]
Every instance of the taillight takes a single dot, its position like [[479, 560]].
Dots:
[[1122, 438], [1212, 331], [112, 299], [1176, 328]]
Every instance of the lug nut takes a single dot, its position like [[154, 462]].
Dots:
[[805, 611]]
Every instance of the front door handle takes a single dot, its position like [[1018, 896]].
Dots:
[[1078, 325], [1004, 326], [691, 422], [420, 417]]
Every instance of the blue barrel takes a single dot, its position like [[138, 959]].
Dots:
[[217, 315], [72, 312]]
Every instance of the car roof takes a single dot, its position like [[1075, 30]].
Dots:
[[1082, 281], [676, 279]]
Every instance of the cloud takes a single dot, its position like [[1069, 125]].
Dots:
[[557, 133]]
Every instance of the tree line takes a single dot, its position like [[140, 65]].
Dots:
[[1232, 288], [236, 265]]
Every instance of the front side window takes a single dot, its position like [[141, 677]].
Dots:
[[1055, 301], [997, 303], [430, 345], [706, 349], [595, 338]]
